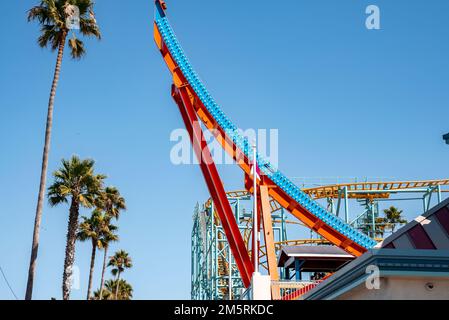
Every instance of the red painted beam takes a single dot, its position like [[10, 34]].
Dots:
[[214, 183]]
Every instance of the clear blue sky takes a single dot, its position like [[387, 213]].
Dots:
[[347, 102]]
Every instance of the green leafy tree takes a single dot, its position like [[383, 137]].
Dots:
[[394, 217], [119, 262], [77, 184], [95, 229], [125, 290], [52, 16]]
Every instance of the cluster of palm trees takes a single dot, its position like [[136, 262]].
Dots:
[[116, 289], [99, 230], [75, 183]]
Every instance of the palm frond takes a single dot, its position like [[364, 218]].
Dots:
[[39, 13], [125, 291], [76, 179], [89, 28], [53, 15]]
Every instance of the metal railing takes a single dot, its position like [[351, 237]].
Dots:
[[291, 290]]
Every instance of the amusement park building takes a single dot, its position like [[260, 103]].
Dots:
[[412, 263]]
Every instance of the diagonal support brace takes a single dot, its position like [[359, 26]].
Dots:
[[214, 183]]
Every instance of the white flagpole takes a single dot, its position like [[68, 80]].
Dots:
[[255, 226]]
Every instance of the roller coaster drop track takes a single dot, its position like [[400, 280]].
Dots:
[[195, 102]]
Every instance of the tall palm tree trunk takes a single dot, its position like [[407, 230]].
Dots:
[[92, 264], [103, 271], [70, 249], [43, 178], [118, 285]]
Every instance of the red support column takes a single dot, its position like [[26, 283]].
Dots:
[[214, 183]]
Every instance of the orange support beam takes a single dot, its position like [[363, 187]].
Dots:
[[269, 237], [268, 232]]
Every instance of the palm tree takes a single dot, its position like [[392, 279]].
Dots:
[[103, 294], [119, 262], [76, 182], [52, 16], [106, 238], [94, 229], [112, 202], [394, 217], [125, 292]]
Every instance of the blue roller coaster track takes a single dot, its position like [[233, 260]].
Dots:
[[231, 130]]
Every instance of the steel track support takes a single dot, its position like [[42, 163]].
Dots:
[[214, 183]]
